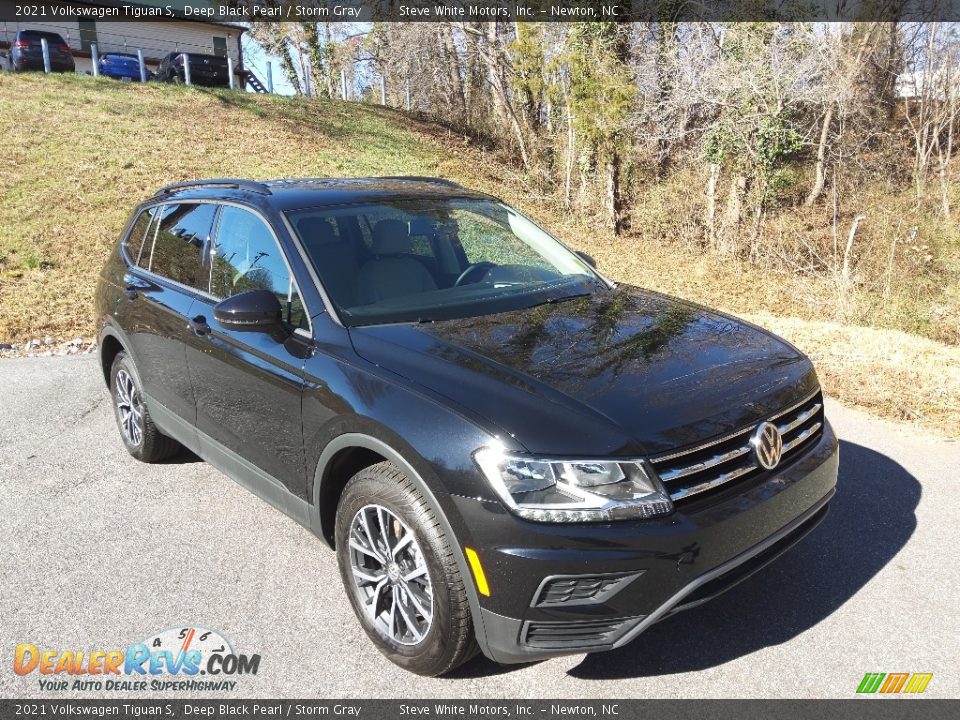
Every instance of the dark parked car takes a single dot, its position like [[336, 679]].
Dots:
[[120, 66], [208, 70], [506, 450], [26, 51]]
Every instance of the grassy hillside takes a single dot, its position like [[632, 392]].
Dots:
[[80, 152]]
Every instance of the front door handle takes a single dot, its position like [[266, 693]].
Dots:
[[199, 326], [133, 285]]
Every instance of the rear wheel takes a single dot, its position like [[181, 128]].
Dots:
[[140, 436], [400, 573]]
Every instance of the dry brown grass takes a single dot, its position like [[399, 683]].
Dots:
[[888, 372], [80, 153]]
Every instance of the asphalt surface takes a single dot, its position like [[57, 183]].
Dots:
[[98, 551]]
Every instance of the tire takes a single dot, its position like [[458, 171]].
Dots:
[[447, 640], [140, 436]]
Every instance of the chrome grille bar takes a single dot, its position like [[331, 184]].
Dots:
[[709, 484], [804, 420], [697, 467], [788, 446], [710, 443], [800, 419]]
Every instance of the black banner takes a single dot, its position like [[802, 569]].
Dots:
[[855, 709], [484, 10]]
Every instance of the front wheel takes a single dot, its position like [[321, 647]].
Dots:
[[401, 574]]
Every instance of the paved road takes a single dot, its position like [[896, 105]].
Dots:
[[99, 551]]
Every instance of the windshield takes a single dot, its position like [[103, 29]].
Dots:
[[427, 259]]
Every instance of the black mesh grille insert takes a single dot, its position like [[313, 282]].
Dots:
[[576, 634], [582, 589]]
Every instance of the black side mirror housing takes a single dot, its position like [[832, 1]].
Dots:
[[251, 311], [587, 259]]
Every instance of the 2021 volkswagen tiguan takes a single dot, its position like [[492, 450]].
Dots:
[[507, 451]]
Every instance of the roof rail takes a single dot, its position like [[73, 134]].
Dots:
[[421, 178], [238, 183]]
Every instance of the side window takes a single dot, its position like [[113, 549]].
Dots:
[[178, 243], [138, 236], [245, 257]]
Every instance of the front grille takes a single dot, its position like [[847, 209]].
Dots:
[[575, 634], [731, 457], [570, 590]]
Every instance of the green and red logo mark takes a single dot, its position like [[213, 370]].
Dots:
[[893, 683]]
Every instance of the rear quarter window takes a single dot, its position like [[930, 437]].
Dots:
[[177, 246], [136, 237]]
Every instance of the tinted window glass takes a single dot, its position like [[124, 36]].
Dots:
[[134, 241], [34, 36], [178, 245], [246, 257], [433, 259], [420, 228], [485, 238]]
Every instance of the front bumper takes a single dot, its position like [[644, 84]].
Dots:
[[644, 570]]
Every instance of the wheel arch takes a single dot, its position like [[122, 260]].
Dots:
[[110, 346], [358, 447]]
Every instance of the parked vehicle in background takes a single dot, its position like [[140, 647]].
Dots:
[[120, 66], [207, 70], [26, 52]]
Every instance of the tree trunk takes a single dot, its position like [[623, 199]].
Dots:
[[493, 61], [734, 214], [820, 175], [571, 149], [328, 76], [712, 205], [945, 154], [453, 69], [614, 207]]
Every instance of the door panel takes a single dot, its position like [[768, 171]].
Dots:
[[249, 385], [166, 244], [154, 316], [248, 388]]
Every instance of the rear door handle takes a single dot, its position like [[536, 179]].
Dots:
[[199, 326]]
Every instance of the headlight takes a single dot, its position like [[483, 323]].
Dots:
[[574, 490]]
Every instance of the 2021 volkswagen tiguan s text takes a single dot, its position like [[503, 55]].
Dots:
[[507, 451]]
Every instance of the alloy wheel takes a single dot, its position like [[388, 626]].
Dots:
[[130, 409], [390, 575]]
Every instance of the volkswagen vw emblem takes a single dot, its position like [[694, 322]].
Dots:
[[767, 445]]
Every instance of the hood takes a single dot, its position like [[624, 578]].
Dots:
[[621, 372]]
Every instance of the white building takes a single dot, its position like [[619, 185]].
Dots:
[[155, 38]]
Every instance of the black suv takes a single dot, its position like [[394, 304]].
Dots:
[[506, 450], [26, 52], [207, 70]]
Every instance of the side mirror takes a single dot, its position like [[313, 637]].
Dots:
[[587, 259], [252, 311]]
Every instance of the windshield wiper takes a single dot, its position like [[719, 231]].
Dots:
[[563, 298]]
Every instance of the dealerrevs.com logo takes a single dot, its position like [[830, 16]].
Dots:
[[172, 659], [894, 683]]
